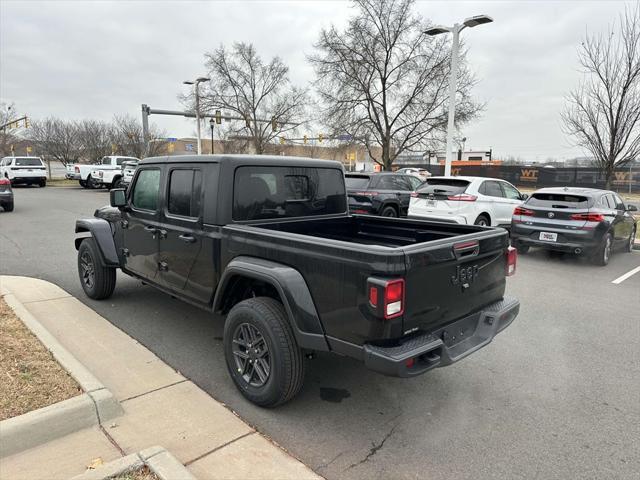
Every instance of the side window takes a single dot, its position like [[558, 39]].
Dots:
[[619, 202], [184, 193], [608, 202], [145, 191], [492, 189], [510, 192], [415, 182], [119, 161]]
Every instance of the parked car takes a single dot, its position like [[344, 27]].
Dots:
[[466, 200], [84, 173], [578, 220], [114, 178], [26, 170], [386, 194], [420, 173], [267, 246], [6, 195]]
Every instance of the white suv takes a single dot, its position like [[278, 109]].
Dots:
[[466, 200], [29, 170]]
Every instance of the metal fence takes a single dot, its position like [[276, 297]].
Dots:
[[624, 179]]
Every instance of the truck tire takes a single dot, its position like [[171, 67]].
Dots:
[[82, 183], [91, 183], [97, 280], [117, 184], [602, 254], [263, 323]]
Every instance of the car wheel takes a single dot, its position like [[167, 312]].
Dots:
[[91, 183], [8, 207], [632, 240], [42, 183], [482, 221], [117, 184], [603, 253], [261, 352], [97, 280], [522, 249], [389, 211], [82, 183]]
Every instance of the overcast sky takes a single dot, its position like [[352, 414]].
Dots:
[[81, 59]]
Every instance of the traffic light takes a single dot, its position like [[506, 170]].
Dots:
[[218, 117], [281, 140], [305, 139], [27, 123], [320, 137], [274, 124], [29, 149]]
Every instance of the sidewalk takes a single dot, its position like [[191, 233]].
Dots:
[[161, 406]]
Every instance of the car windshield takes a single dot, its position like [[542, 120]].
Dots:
[[356, 182], [450, 186], [558, 200], [28, 162]]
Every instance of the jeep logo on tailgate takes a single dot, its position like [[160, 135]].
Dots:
[[465, 276]]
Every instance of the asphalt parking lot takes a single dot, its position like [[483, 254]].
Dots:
[[556, 395]]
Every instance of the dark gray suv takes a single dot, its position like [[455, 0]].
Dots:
[[578, 220]]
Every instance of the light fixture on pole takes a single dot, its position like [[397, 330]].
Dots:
[[196, 88], [212, 122], [453, 81]]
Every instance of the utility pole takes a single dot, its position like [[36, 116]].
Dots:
[[196, 86]]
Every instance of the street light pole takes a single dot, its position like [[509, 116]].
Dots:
[[211, 124], [196, 87], [453, 79]]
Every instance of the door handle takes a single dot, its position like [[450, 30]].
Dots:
[[187, 238], [163, 266], [150, 229], [161, 233]]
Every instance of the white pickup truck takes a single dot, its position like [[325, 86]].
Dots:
[[115, 178], [84, 173]]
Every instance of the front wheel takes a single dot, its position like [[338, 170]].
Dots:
[[261, 352], [97, 281], [603, 253], [82, 183], [117, 184], [91, 183]]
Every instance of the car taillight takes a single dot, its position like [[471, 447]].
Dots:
[[414, 194], [5, 181], [512, 259], [76, 169], [387, 297], [462, 197], [523, 211], [588, 217]]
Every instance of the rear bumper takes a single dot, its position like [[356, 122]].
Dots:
[[585, 240], [28, 178], [444, 346], [459, 219]]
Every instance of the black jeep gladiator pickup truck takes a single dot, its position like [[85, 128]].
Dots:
[[268, 246]]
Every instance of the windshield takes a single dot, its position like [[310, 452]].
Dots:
[[354, 182], [273, 192], [450, 186], [27, 162]]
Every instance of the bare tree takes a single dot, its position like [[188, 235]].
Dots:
[[95, 139], [56, 139], [243, 85], [603, 112], [128, 138], [385, 83], [8, 132]]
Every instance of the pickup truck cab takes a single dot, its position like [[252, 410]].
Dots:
[[267, 245], [27, 170], [88, 174], [115, 178]]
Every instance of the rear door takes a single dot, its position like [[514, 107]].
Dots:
[[512, 199], [141, 224], [623, 222], [182, 241], [397, 190], [493, 200]]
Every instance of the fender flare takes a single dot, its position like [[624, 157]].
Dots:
[[100, 230], [293, 292]]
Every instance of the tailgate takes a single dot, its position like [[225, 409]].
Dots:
[[448, 279]]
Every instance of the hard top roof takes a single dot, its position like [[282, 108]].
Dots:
[[240, 159]]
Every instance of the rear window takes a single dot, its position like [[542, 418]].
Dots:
[[558, 200], [449, 186], [280, 192], [356, 182], [28, 162]]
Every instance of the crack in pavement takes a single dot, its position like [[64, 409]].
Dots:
[[374, 449]]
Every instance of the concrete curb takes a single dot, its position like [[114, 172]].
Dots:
[[158, 459], [93, 407]]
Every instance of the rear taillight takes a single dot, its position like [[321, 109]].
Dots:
[[387, 297], [5, 181], [512, 259], [462, 197], [414, 194], [588, 217], [523, 211], [76, 169]]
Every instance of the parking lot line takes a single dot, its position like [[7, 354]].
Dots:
[[622, 278]]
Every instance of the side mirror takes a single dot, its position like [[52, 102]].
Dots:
[[118, 197], [524, 196], [632, 208]]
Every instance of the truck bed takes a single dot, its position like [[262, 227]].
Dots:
[[368, 230]]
